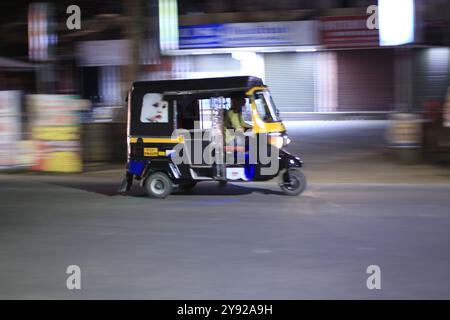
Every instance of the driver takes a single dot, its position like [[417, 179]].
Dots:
[[233, 119]]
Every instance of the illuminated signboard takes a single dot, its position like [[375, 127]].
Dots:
[[168, 24], [258, 34], [396, 22]]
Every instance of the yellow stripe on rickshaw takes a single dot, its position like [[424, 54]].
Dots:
[[158, 140]]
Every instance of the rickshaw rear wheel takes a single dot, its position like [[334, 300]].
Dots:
[[292, 183], [158, 185]]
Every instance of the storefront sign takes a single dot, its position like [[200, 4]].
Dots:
[[347, 32], [56, 132], [396, 22], [259, 34]]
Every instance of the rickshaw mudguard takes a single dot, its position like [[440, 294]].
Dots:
[[288, 160]]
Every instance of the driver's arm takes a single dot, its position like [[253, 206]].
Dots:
[[244, 124]]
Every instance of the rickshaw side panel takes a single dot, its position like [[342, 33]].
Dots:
[[151, 143]]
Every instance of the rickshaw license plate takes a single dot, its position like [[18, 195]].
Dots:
[[150, 152]]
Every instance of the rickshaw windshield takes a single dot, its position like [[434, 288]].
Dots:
[[265, 106]]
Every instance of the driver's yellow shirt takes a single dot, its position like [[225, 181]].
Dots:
[[233, 120]]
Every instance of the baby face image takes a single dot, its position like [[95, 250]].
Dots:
[[154, 109]]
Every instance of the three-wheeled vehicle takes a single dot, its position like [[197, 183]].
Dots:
[[177, 136]]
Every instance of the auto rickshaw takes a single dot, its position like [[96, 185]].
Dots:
[[176, 136]]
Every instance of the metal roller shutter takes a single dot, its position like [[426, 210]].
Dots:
[[432, 75], [365, 80], [290, 77]]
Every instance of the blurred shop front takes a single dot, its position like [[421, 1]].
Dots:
[[103, 65], [365, 71], [337, 65], [432, 95], [55, 132], [281, 53], [10, 128], [334, 64]]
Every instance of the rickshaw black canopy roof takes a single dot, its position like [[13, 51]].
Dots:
[[209, 84]]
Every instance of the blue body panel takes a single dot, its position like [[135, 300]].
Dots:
[[136, 167]]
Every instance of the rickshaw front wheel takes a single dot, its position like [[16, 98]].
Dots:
[[292, 183], [158, 185]]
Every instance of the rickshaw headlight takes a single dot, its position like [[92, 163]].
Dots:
[[277, 141]]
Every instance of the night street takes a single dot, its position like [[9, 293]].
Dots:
[[234, 154], [236, 243]]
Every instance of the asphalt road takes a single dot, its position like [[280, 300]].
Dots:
[[235, 243], [245, 241], [330, 141]]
